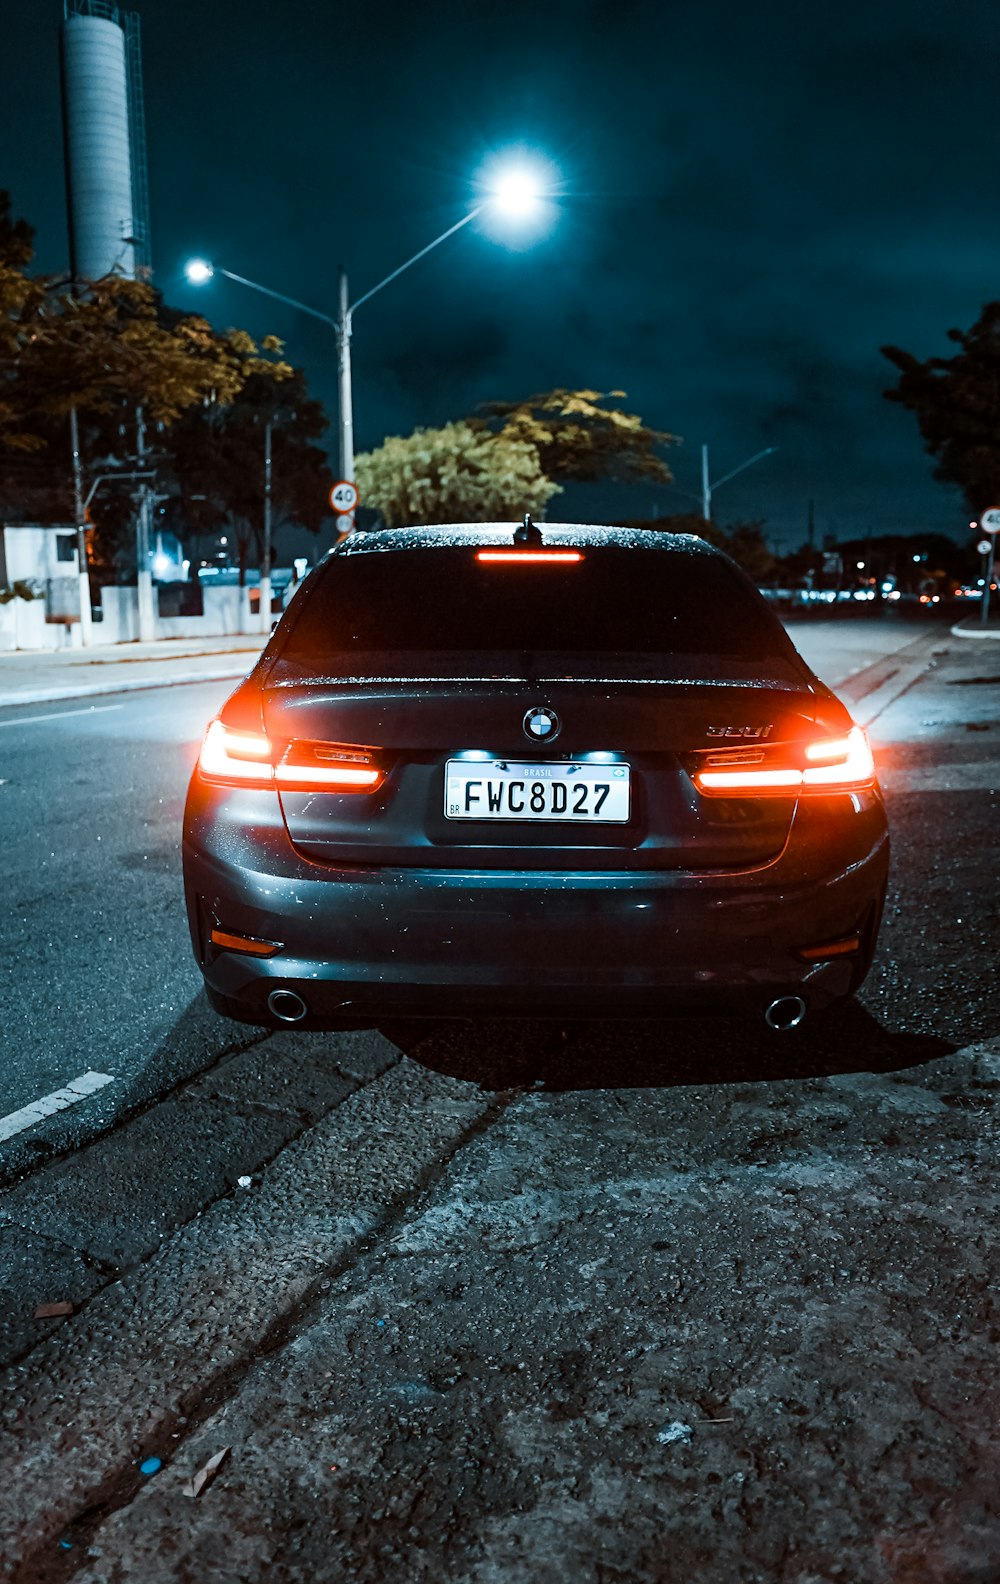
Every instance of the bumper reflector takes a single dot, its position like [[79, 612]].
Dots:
[[837, 948], [244, 943]]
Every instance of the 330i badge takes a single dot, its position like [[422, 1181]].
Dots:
[[564, 771]]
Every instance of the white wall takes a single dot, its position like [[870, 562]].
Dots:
[[23, 626], [31, 553], [227, 611]]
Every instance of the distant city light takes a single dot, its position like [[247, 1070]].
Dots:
[[198, 271]]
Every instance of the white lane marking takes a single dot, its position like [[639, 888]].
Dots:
[[30, 720], [87, 1084]]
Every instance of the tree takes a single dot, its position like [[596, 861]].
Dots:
[[579, 439], [957, 404], [114, 354], [743, 541], [17, 237], [459, 473], [215, 458]]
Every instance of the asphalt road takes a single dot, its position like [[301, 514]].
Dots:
[[98, 971], [451, 1327]]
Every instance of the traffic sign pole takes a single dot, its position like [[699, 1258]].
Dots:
[[989, 522], [344, 500], [987, 578]]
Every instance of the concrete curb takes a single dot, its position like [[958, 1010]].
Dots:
[[54, 695], [961, 631]]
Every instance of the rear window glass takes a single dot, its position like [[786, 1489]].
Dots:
[[612, 601]]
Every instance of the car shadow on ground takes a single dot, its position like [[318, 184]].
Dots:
[[661, 1052]]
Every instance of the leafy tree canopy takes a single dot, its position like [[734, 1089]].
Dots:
[[579, 438], [956, 401], [109, 347], [112, 348], [460, 473], [17, 237], [215, 462], [744, 541]]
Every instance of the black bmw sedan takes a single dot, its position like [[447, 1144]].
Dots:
[[562, 771]]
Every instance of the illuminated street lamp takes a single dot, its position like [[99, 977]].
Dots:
[[515, 192]]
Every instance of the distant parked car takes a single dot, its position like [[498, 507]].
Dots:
[[566, 771]]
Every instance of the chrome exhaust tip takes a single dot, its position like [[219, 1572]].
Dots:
[[786, 1013], [287, 1006]]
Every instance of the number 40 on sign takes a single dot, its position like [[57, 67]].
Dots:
[[344, 496]]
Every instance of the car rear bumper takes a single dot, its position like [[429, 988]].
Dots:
[[376, 943]]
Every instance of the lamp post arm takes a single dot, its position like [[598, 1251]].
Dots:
[[102, 478], [417, 256], [292, 302], [748, 463]]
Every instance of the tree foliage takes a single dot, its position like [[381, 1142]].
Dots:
[[112, 350], [956, 401], [743, 541], [579, 438], [215, 460], [460, 473]]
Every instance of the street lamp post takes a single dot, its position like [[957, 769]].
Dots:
[[707, 488], [516, 191], [265, 560], [199, 271], [80, 512]]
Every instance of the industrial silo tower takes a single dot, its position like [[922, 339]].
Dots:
[[104, 126]]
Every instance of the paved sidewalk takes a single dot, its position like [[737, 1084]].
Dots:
[[34, 677]]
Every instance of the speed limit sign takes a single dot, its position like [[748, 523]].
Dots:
[[344, 496], [989, 522]]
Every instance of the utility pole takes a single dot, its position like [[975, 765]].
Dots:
[[707, 488], [265, 561], [80, 512], [346, 451], [144, 580]]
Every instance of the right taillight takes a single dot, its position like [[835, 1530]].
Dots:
[[250, 759], [830, 764]]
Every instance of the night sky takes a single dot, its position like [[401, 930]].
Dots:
[[753, 199]]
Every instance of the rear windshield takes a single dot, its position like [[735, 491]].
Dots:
[[612, 601]]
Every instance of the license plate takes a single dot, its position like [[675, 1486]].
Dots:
[[501, 789]]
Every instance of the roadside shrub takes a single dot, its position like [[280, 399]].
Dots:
[[21, 589]]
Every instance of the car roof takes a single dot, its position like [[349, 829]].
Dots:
[[585, 535]]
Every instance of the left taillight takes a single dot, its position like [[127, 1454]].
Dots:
[[830, 764], [249, 759], [236, 758]]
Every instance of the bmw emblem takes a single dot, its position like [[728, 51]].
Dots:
[[541, 725]]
